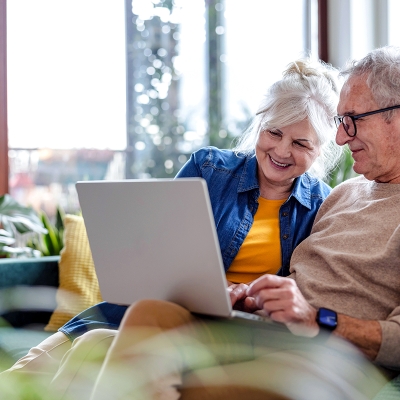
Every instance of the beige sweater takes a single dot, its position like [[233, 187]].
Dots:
[[351, 261]]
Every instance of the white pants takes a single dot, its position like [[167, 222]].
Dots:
[[57, 369], [47, 369]]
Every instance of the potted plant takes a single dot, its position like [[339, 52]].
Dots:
[[17, 220]]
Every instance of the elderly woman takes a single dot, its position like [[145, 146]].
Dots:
[[263, 199], [264, 193]]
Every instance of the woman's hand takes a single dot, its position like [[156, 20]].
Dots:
[[239, 299], [282, 300]]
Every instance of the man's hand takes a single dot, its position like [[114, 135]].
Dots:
[[239, 299], [282, 300]]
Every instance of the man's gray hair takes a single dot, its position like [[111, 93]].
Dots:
[[308, 90], [381, 68]]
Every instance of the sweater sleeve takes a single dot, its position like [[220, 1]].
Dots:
[[389, 352]]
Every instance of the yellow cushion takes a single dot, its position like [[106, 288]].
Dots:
[[78, 287]]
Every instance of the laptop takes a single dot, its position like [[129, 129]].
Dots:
[[156, 239]]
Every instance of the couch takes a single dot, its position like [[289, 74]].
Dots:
[[28, 290], [39, 295]]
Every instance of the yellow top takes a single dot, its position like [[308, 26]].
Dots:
[[260, 252]]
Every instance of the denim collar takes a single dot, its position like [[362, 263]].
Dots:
[[302, 190], [248, 181]]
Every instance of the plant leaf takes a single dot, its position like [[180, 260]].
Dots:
[[59, 225], [50, 238], [14, 215], [23, 224], [5, 240]]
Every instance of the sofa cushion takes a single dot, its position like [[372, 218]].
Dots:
[[78, 287]]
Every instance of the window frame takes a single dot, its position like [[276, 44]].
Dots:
[[4, 169]]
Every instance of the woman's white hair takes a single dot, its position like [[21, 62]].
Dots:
[[308, 90]]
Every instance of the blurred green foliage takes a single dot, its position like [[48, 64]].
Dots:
[[50, 243], [27, 233], [17, 220], [343, 171]]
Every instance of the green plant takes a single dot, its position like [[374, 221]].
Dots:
[[16, 220], [50, 243], [343, 171]]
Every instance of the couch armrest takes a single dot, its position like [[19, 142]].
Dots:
[[28, 290], [42, 271]]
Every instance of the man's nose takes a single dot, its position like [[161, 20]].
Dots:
[[341, 136]]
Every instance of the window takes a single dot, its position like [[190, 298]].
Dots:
[[66, 97], [128, 89], [393, 24], [258, 46]]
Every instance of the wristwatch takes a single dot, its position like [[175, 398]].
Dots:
[[327, 319]]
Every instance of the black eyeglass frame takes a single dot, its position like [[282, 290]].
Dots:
[[339, 119]]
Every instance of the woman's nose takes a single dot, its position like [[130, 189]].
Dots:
[[282, 149]]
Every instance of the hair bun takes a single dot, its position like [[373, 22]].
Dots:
[[307, 68], [298, 67]]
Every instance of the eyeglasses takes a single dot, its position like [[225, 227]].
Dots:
[[349, 121]]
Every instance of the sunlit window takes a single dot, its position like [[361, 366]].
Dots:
[[393, 22], [66, 74], [261, 39], [66, 97], [101, 89]]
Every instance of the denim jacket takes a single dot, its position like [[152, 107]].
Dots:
[[234, 192]]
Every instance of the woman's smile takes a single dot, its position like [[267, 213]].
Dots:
[[278, 164]]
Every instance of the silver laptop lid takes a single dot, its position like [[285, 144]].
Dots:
[[155, 239]]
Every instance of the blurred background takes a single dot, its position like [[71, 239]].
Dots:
[[100, 89]]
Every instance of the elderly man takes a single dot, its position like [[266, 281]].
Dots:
[[344, 278], [350, 263]]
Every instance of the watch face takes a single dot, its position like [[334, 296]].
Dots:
[[327, 318]]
